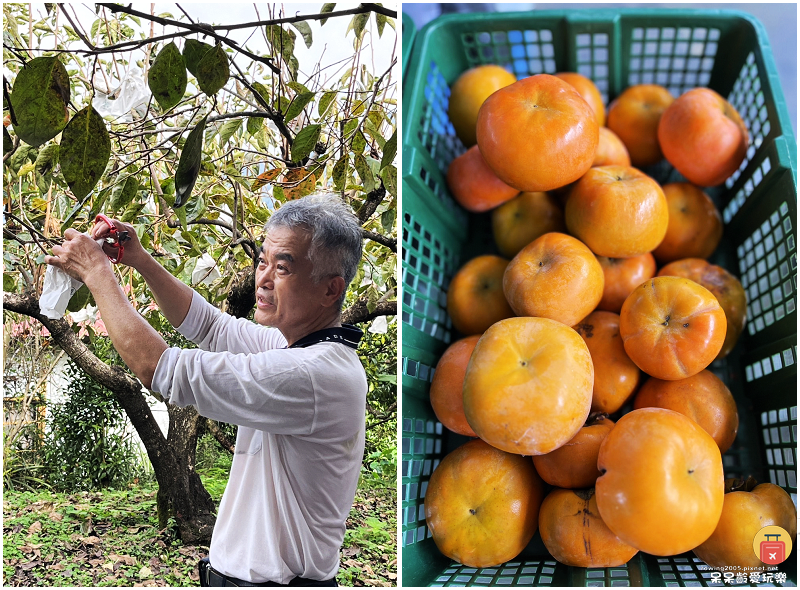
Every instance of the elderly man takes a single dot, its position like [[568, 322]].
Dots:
[[297, 392]]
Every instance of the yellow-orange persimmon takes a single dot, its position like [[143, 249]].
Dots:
[[528, 387], [537, 134], [482, 504]]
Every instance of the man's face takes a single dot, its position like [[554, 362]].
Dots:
[[287, 297]]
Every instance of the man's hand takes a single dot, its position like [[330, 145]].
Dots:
[[79, 256], [133, 248]]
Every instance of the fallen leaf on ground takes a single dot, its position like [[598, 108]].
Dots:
[[55, 516], [126, 559], [34, 528], [145, 572]]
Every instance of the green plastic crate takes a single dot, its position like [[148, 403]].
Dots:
[[680, 49], [409, 32]]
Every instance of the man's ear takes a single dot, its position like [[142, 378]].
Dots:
[[334, 288]]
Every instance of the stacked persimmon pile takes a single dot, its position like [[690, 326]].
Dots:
[[603, 296]]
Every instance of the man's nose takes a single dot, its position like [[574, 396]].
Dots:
[[265, 277]]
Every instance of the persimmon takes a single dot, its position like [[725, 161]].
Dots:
[[448, 383], [469, 92], [528, 387], [672, 327], [537, 134], [474, 185], [475, 299], [695, 225], [482, 504], [556, 276], [524, 218], [622, 276], [589, 91], [663, 484], [703, 136], [610, 150], [634, 116], [574, 532], [618, 211], [616, 376], [574, 465], [748, 507], [725, 287], [703, 397]]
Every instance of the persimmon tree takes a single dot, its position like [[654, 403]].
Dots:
[[194, 138]]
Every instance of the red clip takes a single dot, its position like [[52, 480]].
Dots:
[[116, 238]]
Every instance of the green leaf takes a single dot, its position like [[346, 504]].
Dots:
[[325, 101], [388, 218], [79, 299], [380, 20], [39, 98], [8, 143], [213, 71], [326, 8], [297, 87], [389, 150], [123, 193], [227, 130], [254, 125], [9, 282], [23, 153], [189, 164], [99, 202], [372, 299], [359, 23], [349, 127], [364, 173], [305, 30], [45, 162], [194, 208], [132, 211], [262, 90], [181, 213], [359, 143], [193, 52], [305, 141], [282, 40], [297, 105], [79, 208], [85, 150], [340, 173], [167, 77], [389, 177]]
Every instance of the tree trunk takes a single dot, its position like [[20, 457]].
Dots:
[[172, 458]]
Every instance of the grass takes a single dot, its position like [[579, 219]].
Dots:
[[111, 538]]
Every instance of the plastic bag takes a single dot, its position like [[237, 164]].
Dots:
[[131, 94], [205, 271], [57, 290]]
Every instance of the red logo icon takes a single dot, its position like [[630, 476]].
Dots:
[[773, 552]]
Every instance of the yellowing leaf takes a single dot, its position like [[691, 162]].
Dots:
[[300, 183], [265, 177]]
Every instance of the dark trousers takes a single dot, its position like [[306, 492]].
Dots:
[[211, 577]]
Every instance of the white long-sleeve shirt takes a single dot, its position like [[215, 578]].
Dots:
[[299, 446]]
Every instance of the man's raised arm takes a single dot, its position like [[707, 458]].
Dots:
[[172, 295]]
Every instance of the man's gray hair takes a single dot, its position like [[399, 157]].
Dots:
[[336, 238]]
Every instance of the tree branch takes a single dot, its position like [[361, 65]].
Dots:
[[127, 389], [359, 311], [380, 239], [196, 28], [371, 203], [221, 437]]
